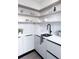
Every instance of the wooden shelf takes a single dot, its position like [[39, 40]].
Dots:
[[37, 22], [40, 16]]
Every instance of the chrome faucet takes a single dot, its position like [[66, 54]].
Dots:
[[49, 28]]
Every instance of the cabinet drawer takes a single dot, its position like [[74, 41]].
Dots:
[[49, 56], [54, 49]]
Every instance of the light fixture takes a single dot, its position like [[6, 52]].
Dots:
[[45, 19]]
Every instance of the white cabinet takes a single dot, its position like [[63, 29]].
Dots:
[[43, 48], [49, 56], [25, 44], [40, 48], [47, 46], [37, 43], [54, 49]]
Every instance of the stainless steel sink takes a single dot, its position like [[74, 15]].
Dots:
[[46, 35]]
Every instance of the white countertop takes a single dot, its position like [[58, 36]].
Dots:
[[54, 38]]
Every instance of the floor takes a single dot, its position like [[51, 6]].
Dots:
[[32, 55]]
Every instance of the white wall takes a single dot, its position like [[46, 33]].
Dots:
[[28, 11], [52, 18], [50, 10], [23, 19], [42, 28], [27, 28]]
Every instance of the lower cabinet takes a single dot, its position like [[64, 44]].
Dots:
[[25, 44], [42, 49], [49, 56], [54, 49], [37, 43]]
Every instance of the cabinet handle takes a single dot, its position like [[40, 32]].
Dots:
[[54, 42], [29, 35], [19, 36], [52, 54]]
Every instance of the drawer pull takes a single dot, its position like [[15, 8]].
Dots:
[[54, 42], [29, 35], [52, 54]]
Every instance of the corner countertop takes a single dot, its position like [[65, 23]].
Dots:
[[54, 38]]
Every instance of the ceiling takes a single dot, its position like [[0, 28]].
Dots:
[[37, 4]]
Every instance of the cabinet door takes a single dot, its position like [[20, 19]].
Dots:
[[54, 49], [25, 44], [37, 43], [43, 48], [40, 48], [49, 56]]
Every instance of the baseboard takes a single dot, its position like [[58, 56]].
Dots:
[[25, 54], [29, 53]]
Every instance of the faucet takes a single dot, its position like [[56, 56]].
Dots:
[[49, 28]]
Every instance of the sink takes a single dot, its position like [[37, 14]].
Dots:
[[46, 35]]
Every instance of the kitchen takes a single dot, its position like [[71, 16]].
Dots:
[[39, 29]]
